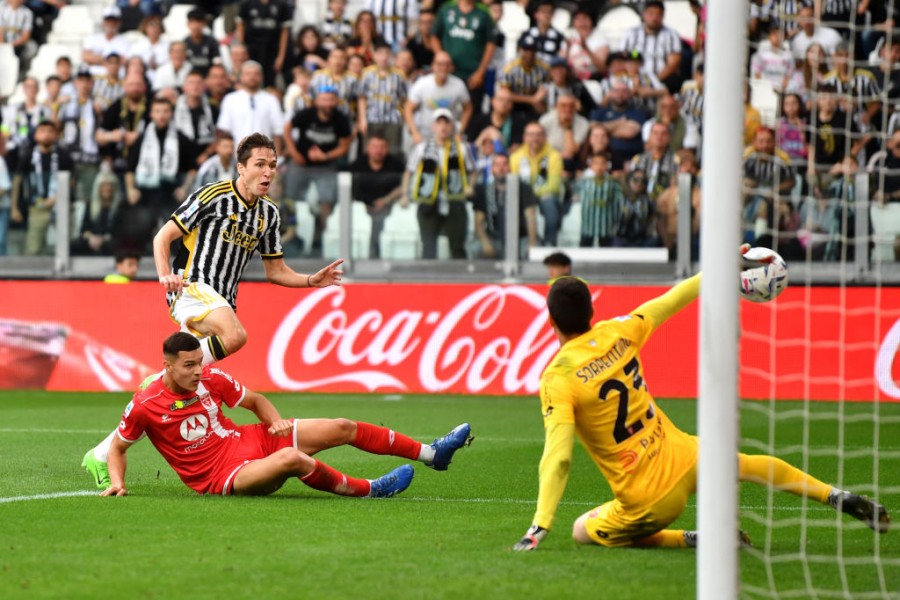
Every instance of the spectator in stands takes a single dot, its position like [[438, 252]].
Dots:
[[558, 265], [691, 98], [22, 118], [548, 41], [251, 109], [774, 62], [407, 64], [885, 174], [67, 81], [108, 87], [752, 117], [835, 137], [600, 198], [858, 89], [355, 67], [382, 93], [438, 177], [365, 37], [768, 178], [562, 82], [811, 31], [810, 74], [194, 118], [123, 122], [52, 87], [540, 166], [659, 45], [217, 87], [99, 45], [791, 134], [78, 123], [202, 50], [237, 56], [152, 47], [623, 121], [637, 214], [377, 183], [647, 87], [490, 204], [566, 131], [437, 90], [886, 76], [127, 262], [420, 43], [465, 30], [310, 54], [821, 218], [597, 142], [666, 206], [298, 95], [498, 60], [509, 125], [682, 134], [394, 19], [5, 197], [882, 17], [172, 74], [585, 49], [337, 29], [315, 140], [221, 165], [264, 27], [98, 230], [337, 76], [524, 76], [657, 162], [16, 28], [34, 187], [45, 12]]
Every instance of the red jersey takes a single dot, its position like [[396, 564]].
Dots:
[[189, 430]]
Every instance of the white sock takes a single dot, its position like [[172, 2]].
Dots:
[[426, 454], [101, 450], [208, 357], [690, 538]]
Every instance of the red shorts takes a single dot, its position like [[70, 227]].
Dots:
[[250, 442]]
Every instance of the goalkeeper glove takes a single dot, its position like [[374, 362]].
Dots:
[[531, 539]]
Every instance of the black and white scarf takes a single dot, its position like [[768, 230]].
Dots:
[[440, 169], [41, 188], [205, 131], [78, 125], [157, 165]]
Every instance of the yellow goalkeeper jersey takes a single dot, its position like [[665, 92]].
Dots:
[[596, 384]]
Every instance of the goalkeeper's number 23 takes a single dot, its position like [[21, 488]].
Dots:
[[622, 431]]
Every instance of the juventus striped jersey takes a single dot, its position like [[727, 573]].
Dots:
[[384, 94], [861, 87], [655, 48], [394, 17], [221, 233], [691, 97], [106, 91], [522, 80], [15, 22], [346, 85]]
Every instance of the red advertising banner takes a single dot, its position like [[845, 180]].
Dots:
[[821, 343]]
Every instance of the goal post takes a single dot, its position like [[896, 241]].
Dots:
[[718, 575]]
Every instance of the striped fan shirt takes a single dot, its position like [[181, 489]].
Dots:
[[655, 48], [384, 94], [768, 171], [777, 11], [838, 13], [106, 92], [346, 85], [521, 80], [660, 172], [15, 22], [691, 97], [335, 34], [861, 86], [222, 231], [601, 200], [393, 18]]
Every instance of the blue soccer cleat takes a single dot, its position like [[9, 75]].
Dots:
[[97, 469], [445, 447], [393, 483]]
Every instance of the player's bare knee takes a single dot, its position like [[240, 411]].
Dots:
[[345, 429], [295, 462], [579, 531]]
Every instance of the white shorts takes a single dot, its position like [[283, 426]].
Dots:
[[193, 304]]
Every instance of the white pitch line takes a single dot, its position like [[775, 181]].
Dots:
[[582, 503], [47, 496], [46, 430]]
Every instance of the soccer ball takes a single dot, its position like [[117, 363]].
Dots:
[[764, 275]]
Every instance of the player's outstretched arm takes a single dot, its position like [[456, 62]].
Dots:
[[116, 464], [554, 475], [279, 273], [266, 412], [162, 243], [661, 309]]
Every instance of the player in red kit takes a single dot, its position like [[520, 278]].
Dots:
[[181, 414]]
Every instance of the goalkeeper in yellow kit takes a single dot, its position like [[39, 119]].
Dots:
[[594, 387]]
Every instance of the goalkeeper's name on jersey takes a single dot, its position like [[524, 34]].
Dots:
[[601, 364]]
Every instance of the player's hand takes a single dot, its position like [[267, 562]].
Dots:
[[282, 427], [172, 282], [115, 490], [330, 275], [531, 539]]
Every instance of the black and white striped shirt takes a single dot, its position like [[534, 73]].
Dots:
[[335, 34], [655, 48], [346, 85], [393, 18], [222, 231], [660, 172], [839, 14], [861, 87], [548, 44], [106, 92], [778, 11], [15, 22], [384, 94], [601, 202], [524, 81], [691, 97], [768, 171]]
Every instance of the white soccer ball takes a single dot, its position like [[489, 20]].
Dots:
[[764, 275]]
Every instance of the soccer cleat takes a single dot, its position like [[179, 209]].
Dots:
[[866, 510], [393, 483], [96, 469], [445, 447]]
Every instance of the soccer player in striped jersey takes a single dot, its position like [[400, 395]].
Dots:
[[220, 226], [594, 387]]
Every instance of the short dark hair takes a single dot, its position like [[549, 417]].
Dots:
[[195, 72], [570, 305], [47, 123], [196, 14], [64, 59], [224, 135], [587, 13], [179, 342], [162, 100], [377, 135], [250, 143], [53, 78], [558, 259], [125, 254], [655, 3]]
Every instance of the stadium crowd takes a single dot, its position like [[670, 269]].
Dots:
[[422, 103]]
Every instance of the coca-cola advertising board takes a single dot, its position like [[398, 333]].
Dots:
[[820, 343]]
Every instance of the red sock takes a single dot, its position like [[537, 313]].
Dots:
[[381, 440], [327, 479]]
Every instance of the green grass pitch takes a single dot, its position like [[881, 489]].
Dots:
[[448, 536]]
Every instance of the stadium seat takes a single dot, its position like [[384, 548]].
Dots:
[[400, 236], [9, 70], [764, 98], [886, 227], [44, 63], [73, 24], [176, 21], [570, 231], [562, 20], [306, 224], [513, 24], [615, 22], [360, 232], [681, 18]]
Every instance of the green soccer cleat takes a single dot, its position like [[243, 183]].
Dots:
[[96, 469]]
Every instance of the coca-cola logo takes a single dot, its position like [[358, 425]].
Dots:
[[496, 336], [884, 363]]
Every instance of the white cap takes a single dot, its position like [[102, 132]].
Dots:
[[112, 12], [442, 113]]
